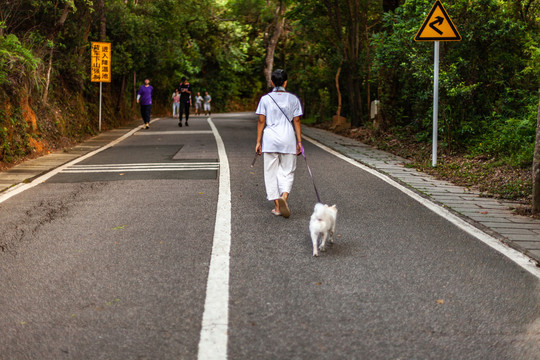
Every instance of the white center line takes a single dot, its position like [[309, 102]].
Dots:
[[213, 339]]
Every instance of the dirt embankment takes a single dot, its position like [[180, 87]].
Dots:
[[30, 128]]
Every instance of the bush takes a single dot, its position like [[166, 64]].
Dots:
[[17, 63], [511, 140]]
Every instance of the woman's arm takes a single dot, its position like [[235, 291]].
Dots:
[[260, 127], [296, 124]]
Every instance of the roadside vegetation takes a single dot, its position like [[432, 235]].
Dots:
[[342, 55]]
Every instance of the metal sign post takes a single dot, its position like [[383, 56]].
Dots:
[[437, 27], [435, 105], [100, 99]]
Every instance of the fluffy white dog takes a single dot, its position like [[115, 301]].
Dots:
[[322, 224]]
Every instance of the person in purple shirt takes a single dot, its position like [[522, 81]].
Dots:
[[144, 97]]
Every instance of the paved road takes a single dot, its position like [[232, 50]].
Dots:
[[109, 259]]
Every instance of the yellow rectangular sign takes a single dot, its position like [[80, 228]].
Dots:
[[100, 66]]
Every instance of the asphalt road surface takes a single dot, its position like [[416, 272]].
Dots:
[[110, 259]]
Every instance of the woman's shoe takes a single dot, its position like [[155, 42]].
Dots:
[[283, 207]]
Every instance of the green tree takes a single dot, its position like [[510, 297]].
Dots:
[[536, 167]]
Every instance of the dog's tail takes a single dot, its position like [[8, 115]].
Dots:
[[318, 211]]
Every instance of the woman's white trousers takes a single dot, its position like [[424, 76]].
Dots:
[[278, 174]]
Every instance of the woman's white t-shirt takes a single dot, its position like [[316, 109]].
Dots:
[[278, 134]]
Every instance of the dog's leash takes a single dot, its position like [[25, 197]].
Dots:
[[311, 175], [254, 159], [302, 151]]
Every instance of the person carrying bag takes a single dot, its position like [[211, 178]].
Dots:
[[279, 140]]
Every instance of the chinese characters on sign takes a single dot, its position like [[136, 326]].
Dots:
[[100, 62]]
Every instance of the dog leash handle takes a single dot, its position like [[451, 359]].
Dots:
[[254, 159]]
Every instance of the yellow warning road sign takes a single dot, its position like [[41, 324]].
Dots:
[[438, 26]]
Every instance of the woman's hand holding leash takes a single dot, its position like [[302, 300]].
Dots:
[[299, 149], [254, 159], [258, 152]]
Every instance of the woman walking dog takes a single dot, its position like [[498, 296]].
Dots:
[[280, 140]]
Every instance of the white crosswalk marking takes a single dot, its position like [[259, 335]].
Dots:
[[178, 132], [112, 168]]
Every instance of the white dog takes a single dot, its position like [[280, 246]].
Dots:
[[322, 224]]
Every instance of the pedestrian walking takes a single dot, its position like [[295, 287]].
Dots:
[[198, 103], [185, 100], [144, 98], [207, 100], [279, 139], [176, 103]]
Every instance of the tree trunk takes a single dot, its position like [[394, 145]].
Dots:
[[120, 100], [536, 168], [48, 78], [368, 63], [52, 37], [338, 112], [346, 29], [134, 100], [277, 26], [102, 22], [355, 101]]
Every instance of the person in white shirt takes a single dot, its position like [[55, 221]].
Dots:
[[279, 139], [198, 103], [207, 100], [176, 103]]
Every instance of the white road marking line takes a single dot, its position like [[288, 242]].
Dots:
[[514, 255], [135, 170], [214, 337], [145, 165], [110, 168], [23, 187], [178, 132]]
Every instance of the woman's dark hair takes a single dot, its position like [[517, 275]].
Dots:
[[279, 77]]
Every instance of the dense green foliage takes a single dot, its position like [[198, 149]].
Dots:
[[489, 81]]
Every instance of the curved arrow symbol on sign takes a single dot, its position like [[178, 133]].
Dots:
[[439, 20]]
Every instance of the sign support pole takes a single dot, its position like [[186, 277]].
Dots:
[[100, 96], [435, 104], [100, 69]]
